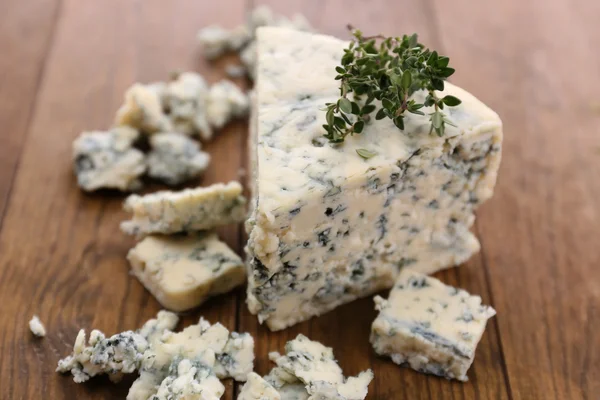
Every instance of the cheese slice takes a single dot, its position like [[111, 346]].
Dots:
[[328, 226], [183, 271]]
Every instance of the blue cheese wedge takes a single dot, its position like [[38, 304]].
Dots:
[[308, 370], [328, 226], [431, 327], [186, 210], [117, 355], [143, 109], [181, 272], [175, 158], [107, 160]]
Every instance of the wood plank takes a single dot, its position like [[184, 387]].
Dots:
[[539, 231], [62, 255], [26, 31], [347, 328]]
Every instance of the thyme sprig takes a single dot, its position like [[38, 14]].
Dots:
[[391, 70]]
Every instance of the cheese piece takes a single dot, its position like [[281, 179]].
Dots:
[[211, 349], [189, 381], [313, 365], [143, 110], [107, 160], [225, 102], [175, 158], [36, 327], [181, 272], [186, 210], [185, 99], [120, 354], [256, 388], [327, 226], [431, 327]]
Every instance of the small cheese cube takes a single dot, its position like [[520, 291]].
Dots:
[[183, 271], [429, 326]]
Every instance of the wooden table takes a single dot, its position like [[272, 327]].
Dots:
[[64, 66]]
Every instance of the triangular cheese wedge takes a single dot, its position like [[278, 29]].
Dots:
[[327, 225]]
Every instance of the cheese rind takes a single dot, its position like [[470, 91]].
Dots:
[[429, 326], [187, 210], [327, 226], [181, 272], [175, 158], [107, 160]]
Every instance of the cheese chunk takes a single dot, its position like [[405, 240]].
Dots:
[[117, 355], [143, 110], [431, 327], [328, 226], [185, 98], [211, 349], [189, 381], [256, 388], [186, 210], [175, 158], [308, 371], [107, 160], [181, 272], [36, 327]]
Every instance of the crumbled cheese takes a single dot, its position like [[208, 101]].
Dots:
[[185, 100], [211, 349], [181, 272], [175, 158], [186, 210], [308, 370], [143, 110], [225, 102], [107, 160], [431, 327], [217, 41], [36, 327], [327, 226], [120, 354]]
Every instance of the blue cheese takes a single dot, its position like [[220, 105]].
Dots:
[[107, 160], [117, 355], [431, 327], [143, 110], [327, 226], [211, 349], [189, 381], [175, 158], [186, 210], [225, 102], [256, 388], [308, 370], [36, 327], [185, 100], [181, 272]]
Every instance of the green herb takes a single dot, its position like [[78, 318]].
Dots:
[[390, 70], [366, 154]]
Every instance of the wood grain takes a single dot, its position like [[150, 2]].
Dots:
[[65, 66], [25, 41]]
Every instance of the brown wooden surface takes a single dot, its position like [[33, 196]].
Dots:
[[64, 65]]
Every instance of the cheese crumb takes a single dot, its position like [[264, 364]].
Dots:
[[36, 327]]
